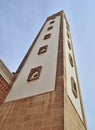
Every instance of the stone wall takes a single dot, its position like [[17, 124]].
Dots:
[[42, 112], [72, 120]]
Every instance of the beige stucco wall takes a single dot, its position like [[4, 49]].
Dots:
[[48, 61], [71, 72]]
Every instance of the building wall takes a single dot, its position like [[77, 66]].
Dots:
[[48, 60], [72, 121], [73, 108], [4, 89], [40, 112], [71, 71], [5, 72], [5, 81], [53, 110]]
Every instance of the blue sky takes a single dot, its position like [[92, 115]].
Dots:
[[20, 22]]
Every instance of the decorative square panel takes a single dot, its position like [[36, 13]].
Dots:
[[52, 22], [50, 28], [34, 73], [47, 36], [42, 49]]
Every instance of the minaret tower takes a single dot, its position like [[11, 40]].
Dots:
[[45, 94]]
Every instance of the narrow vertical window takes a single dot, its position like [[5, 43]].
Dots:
[[71, 60], [69, 44], [68, 35], [67, 26], [74, 88]]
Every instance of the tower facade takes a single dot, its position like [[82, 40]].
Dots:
[[45, 94]]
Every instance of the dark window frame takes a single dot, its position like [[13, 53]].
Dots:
[[69, 45], [74, 87], [42, 49], [50, 28], [47, 36], [34, 73], [71, 60], [52, 22]]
